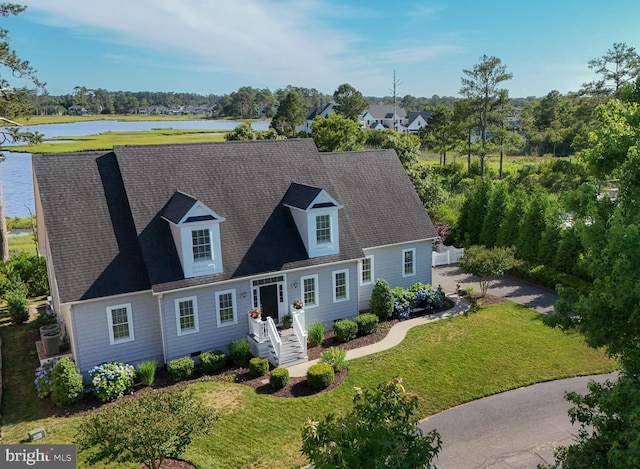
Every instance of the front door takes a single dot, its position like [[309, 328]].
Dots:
[[269, 302]]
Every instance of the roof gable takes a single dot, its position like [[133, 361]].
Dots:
[[183, 208]]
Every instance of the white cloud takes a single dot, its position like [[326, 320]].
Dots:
[[284, 40]]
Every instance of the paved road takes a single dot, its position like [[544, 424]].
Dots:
[[515, 429], [531, 296]]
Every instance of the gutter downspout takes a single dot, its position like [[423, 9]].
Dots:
[[164, 350]]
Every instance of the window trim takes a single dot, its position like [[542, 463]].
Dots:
[[334, 274], [413, 262], [315, 288], [328, 228], [234, 307], [112, 339], [360, 264], [210, 244], [196, 328]]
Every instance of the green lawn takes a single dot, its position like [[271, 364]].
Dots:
[[106, 140], [445, 363], [22, 243]]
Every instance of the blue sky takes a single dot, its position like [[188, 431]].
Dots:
[[217, 46]]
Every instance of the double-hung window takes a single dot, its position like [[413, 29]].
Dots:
[[309, 290], [323, 229], [201, 245], [226, 308], [120, 323], [408, 262], [366, 270], [187, 315], [340, 285]]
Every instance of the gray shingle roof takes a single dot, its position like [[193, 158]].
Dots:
[[103, 211]]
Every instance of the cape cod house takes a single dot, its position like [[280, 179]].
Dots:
[[159, 251]]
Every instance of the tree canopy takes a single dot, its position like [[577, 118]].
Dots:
[[349, 101], [336, 133], [290, 114], [376, 433]]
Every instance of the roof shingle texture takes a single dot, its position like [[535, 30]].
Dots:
[[103, 211]]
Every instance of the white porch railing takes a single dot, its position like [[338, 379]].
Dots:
[[258, 329], [448, 255], [274, 337], [300, 330]]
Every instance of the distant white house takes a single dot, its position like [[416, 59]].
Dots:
[[321, 111], [376, 117]]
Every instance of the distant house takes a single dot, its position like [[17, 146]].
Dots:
[[417, 120], [156, 252], [384, 116], [321, 111]]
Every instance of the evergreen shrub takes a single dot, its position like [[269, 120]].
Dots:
[[239, 351], [320, 375], [345, 330], [367, 323], [212, 360], [181, 368], [258, 366], [66, 383], [279, 378]]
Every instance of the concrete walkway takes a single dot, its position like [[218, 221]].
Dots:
[[396, 335]]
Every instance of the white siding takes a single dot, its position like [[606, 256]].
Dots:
[[91, 332]]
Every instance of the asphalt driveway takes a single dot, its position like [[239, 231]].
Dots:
[[514, 429], [529, 295]]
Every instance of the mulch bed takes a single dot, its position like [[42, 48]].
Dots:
[[296, 387]]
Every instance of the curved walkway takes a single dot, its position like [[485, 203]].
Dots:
[[396, 335]]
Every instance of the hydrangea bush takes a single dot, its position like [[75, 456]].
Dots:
[[418, 295], [44, 379], [110, 381]]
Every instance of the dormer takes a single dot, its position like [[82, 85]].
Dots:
[[315, 213], [196, 232]]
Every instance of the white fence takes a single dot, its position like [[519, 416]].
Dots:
[[446, 255]]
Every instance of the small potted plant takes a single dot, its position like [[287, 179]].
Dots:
[[254, 313], [297, 304], [287, 321]]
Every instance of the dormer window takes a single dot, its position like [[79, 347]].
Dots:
[[201, 245], [196, 232], [323, 229], [315, 213]]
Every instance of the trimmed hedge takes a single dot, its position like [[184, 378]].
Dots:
[[212, 360], [320, 375], [345, 330], [239, 351], [279, 378], [367, 323], [258, 366], [181, 368], [66, 383]]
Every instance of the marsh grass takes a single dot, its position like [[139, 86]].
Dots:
[[444, 363]]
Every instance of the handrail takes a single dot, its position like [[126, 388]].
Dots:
[[258, 328], [301, 332], [274, 337]]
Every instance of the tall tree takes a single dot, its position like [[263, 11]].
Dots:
[[609, 313], [349, 101], [290, 113], [482, 85], [619, 65], [335, 133], [442, 132], [14, 103]]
